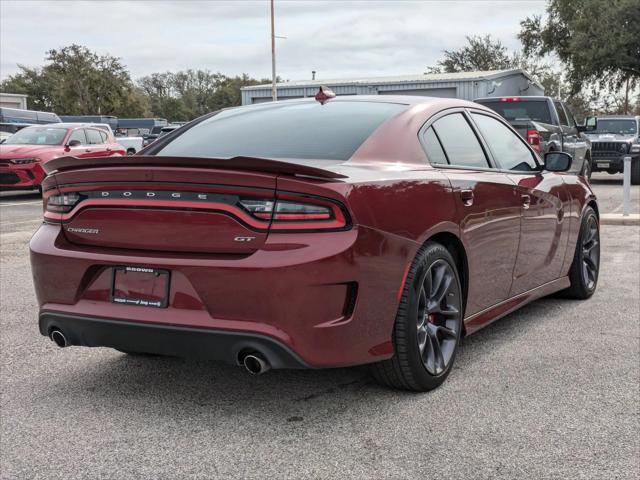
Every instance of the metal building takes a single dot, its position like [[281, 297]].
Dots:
[[465, 85]]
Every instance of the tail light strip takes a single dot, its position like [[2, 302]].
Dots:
[[289, 212]]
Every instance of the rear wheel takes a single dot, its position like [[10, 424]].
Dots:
[[428, 324], [586, 260]]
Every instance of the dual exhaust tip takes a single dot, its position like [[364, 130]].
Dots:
[[58, 338], [254, 363]]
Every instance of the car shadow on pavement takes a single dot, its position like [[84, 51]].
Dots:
[[19, 196], [162, 384]]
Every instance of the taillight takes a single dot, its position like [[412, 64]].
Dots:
[[533, 138], [63, 202], [290, 213]]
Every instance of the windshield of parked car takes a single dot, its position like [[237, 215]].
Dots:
[[620, 126], [38, 136], [303, 130], [523, 110]]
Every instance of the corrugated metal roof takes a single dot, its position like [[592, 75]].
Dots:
[[423, 77]]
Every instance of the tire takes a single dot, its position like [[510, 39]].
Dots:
[[587, 169], [586, 259], [416, 365], [635, 171]]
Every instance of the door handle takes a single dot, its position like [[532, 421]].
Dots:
[[526, 201], [108, 149], [467, 197], [87, 149]]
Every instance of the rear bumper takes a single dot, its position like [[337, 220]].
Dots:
[[168, 340], [330, 298]]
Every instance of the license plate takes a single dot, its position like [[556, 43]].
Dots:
[[602, 164], [146, 287]]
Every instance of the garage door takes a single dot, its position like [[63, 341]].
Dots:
[[424, 92]]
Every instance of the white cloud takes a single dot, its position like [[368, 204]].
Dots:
[[336, 38]]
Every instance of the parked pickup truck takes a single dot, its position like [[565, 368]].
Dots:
[[615, 138], [548, 126], [131, 145]]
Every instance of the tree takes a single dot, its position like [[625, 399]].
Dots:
[[77, 81], [599, 42], [481, 53]]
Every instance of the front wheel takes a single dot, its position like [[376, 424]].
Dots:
[[428, 324], [587, 169], [586, 260]]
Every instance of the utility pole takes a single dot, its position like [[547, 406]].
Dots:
[[274, 91]]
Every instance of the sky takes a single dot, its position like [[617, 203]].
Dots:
[[337, 38]]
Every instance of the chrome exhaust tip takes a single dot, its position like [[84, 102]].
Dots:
[[255, 364], [58, 338]]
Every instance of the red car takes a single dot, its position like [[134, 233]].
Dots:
[[23, 155], [304, 234]]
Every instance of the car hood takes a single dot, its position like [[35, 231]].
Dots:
[[610, 137], [24, 151]]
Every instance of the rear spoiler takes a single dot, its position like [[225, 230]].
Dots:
[[254, 164]]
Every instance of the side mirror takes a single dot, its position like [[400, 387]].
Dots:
[[74, 143], [590, 124], [557, 161]]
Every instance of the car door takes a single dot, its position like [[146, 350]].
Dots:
[[97, 143], [544, 202], [82, 150], [487, 205], [569, 135], [581, 144]]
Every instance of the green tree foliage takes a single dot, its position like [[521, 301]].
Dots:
[[188, 94], [480, 53], [77, 81], [598, 41]]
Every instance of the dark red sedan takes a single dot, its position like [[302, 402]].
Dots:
[[300, 234], [23, 154]]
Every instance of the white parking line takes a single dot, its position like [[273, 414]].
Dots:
[[35, 202], [4, 224]]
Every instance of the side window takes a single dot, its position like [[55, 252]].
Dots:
[[435, 153], [507, 147], [104, 136], [460, 144], [78, 135], [570, 118], [561, 115], [93, 136]]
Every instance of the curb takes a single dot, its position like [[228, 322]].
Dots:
[[618, 219]]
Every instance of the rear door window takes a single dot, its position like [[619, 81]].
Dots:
[[432, 145], [561, 115], [459, 142], [507, 147], [93, 137]]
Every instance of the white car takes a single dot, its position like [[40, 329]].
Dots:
[[131, 145]]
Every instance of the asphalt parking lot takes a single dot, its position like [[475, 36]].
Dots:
[[551, 391]]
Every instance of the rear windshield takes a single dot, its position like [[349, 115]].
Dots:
[[538, 111], [309, 130]]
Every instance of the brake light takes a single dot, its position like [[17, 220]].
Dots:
[[63, 202], [510, 99], [291, 213], [533, 138]]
